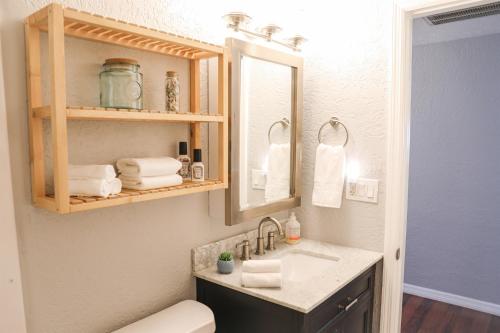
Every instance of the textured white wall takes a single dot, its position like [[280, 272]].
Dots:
[[11, 303], [95, 271]]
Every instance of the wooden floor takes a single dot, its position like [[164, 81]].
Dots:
[[426, 316]]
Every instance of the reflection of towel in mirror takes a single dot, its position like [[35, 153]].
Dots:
[[329, 176], [278, 172]]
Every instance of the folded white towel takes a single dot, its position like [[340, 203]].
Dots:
[[261, 266], [106, 172], [329, 176], [147, 183], [278, 172], [148, 167], [261, 280], [90, 187], [116, 186]]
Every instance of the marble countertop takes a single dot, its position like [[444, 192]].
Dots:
[[305, 295]]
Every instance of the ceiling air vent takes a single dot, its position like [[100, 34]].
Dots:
[[465, 14]]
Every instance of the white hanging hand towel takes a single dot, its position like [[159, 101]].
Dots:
[[261, 280], [261, 266], [278, 172], [148, 167], [329, 176], [90, 187], [148, 183], [106, 172]]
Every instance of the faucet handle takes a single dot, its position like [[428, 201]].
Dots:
[[270, 241], [245, 250]]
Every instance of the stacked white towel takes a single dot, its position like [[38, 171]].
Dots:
[[261, 274], [149, 173], [93, 180]]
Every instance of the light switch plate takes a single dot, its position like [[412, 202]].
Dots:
[[362, 189], [258, 179]]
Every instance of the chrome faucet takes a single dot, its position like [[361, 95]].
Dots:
[[260, 237]]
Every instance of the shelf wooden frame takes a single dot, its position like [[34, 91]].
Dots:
[[59, 22]]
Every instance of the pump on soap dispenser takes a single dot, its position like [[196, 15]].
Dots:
[[292, 230]]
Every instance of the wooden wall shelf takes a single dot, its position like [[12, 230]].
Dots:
[[78, 204], [89, 113], [59, 22]]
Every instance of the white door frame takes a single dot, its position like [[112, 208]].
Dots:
[[398, 149]]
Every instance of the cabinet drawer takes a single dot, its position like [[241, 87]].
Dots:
[[356, 319], [335, 305]]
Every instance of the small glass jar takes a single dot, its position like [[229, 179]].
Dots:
[[172, 91], [121, 84]]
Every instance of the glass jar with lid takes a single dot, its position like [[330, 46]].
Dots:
[[120, 84]]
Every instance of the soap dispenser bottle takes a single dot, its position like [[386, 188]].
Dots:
[[292, 230]]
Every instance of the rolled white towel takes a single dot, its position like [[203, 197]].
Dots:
[[147, 183], [90, 187], [106, 172], [148, 167], [116, 186], [261, 280], [261, 266]]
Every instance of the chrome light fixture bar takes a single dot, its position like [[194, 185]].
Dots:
[[238, 22]]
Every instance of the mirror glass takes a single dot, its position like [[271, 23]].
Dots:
[[265, 132]]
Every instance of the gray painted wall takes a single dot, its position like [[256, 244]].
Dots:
[[454, 190]]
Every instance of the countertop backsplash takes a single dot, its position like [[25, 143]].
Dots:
[[206, 255]]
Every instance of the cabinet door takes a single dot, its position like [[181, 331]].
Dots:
[[358, 319]]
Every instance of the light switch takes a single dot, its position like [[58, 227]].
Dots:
[[362, 189], [258, 179]]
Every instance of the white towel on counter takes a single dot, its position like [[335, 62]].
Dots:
[[148, 183], [278, 172], [261, 266], [261, 280], [106, 172], [329, 176], [148, 167], [90, 187]]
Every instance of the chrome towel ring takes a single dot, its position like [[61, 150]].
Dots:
[[334, 121], [284, 122]]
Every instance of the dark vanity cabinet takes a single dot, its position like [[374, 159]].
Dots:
[[350, 310]]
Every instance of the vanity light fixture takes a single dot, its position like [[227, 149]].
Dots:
[[238, 21]]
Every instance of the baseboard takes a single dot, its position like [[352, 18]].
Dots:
[[462, 301]]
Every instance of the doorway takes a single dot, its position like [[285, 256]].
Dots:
[[451, 279], [398, 150]]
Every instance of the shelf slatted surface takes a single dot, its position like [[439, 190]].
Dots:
[[95, 27], [81, 203], [96, 113]]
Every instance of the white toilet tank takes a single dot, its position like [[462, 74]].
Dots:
[[184, 317]]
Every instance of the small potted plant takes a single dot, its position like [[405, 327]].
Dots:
[[225, 264]]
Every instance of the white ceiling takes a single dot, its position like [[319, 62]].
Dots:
[[426, 33]]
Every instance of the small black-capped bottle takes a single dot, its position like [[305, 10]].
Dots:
[[197, 168], [185, 171]]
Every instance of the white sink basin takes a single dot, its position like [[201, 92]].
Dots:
[[300, 265]]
